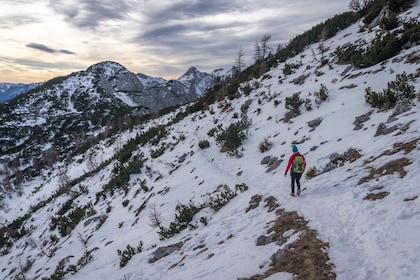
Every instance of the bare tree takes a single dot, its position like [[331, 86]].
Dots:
[[264, 45], [64, 181], [321, 46], [92, 162], [358, 5], [257, 53], [240, 59], [155, 217]]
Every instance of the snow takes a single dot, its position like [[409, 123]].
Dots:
[[368, 239], [126, 99]]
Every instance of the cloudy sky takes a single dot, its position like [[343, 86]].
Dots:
[[48, 38]]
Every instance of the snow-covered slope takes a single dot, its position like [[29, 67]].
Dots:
[[364, 202]]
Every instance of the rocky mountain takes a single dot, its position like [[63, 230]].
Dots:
[[200, 191], [68, 110], [9, 90]]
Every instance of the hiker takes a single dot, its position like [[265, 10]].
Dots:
[[297, 165]]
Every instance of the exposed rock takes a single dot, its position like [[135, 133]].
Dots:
[[273, 164], [384, 130], [94, 219], [314, 123], [162, 252], [264, 240], [358, 123], [401, 107], [350, 155], [348, 68], [182, 158], [254, 202], [266, 160], [348, 87], [301, 79], [277, 256], [339, 159]]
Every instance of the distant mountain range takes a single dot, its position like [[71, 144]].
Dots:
[[193, 80], [74, 107], [10, 90]]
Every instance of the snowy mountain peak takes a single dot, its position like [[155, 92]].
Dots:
[[149, 81], [108, 68], [197, 81]]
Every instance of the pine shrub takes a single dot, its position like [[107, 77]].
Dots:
[[232, 137], [293, 103], [128, 253], [204, 144], [400, 89]]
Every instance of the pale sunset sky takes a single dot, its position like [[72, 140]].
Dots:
[[44, 39]]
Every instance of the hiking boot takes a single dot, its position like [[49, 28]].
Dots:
[[292, 194], [298, 192]]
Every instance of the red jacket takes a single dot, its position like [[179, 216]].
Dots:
[[292, 158]]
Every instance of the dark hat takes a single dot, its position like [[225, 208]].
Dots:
[[294, 148]]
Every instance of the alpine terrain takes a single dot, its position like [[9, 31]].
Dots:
[[107, 174]]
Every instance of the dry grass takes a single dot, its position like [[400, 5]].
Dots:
[[306, 258], [376, 196], [387, 169], [397, 147]]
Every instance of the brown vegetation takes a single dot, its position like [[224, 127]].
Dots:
[[387, 169], [306, 258]]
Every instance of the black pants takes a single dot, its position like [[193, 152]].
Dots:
[[295, 178]]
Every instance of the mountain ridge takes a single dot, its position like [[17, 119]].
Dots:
[[197, 193], [79, 105]]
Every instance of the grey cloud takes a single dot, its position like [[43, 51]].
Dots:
[[12, 21], [163, 32], [170, 27], [43, 65], [40, 47], [188, 9], [90, 14], [44, 48], [66, 52]]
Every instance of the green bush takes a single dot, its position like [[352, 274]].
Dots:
[[158, 152], [400, 5], [321, 95], [411, 32], [373, 10], [125, 202], [231, 138], [399, 89], [382, 47], [185, 212], [390, 22], [294, 102], [182, 219], [128, 253], [204, 144], [58, 274], [85, 259], [67, 224]]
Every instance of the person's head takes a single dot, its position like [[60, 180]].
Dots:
[[294, 149]]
